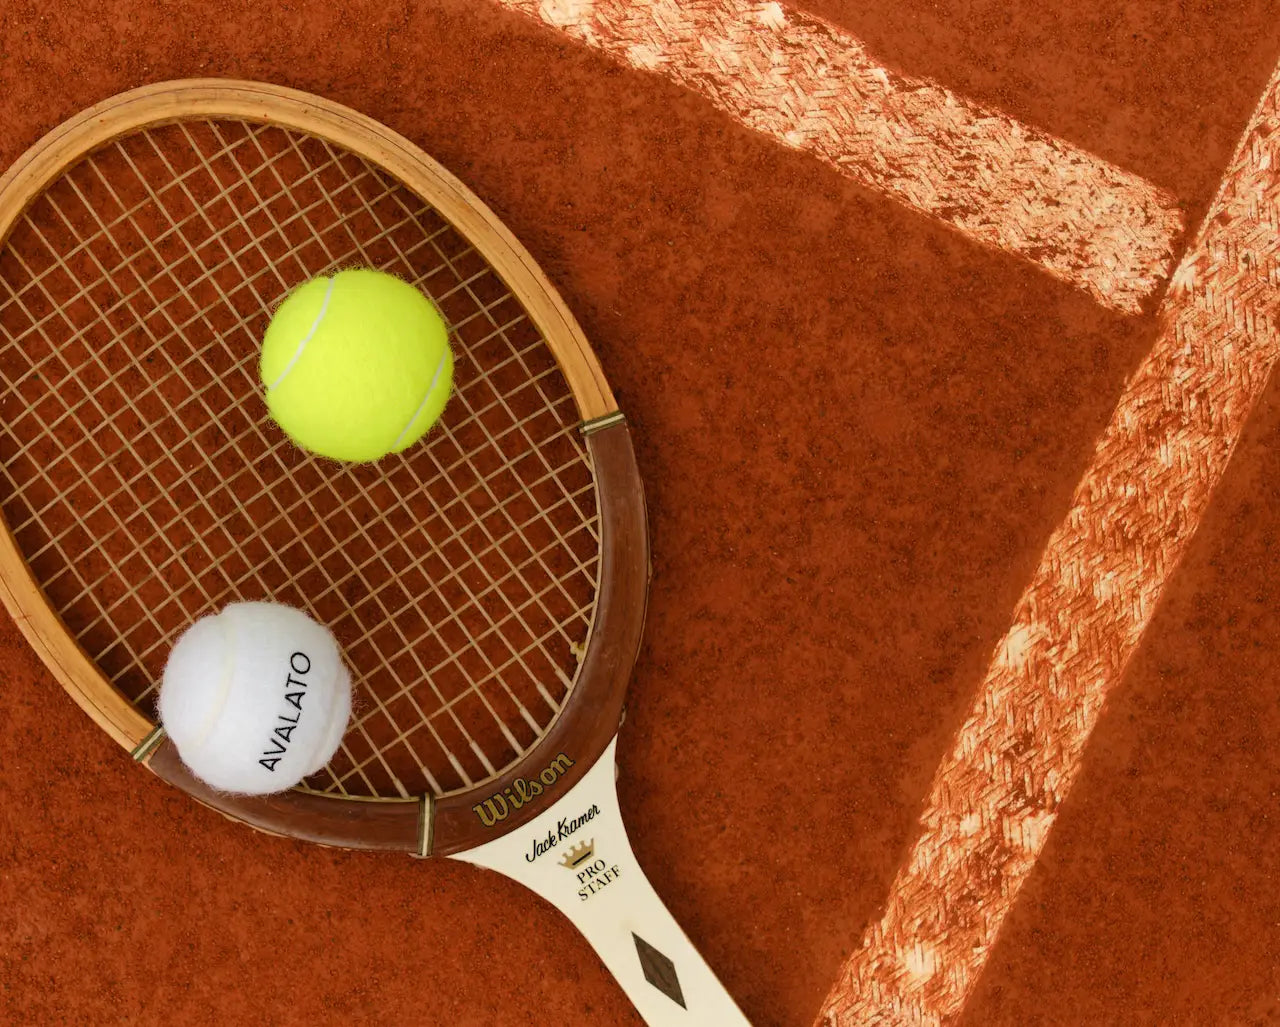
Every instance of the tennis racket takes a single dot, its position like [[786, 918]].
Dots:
[[488, 585]]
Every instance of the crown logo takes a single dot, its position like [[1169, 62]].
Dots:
[[578, 854]]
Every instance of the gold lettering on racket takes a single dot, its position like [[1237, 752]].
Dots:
[[501, 805], [593, 874]]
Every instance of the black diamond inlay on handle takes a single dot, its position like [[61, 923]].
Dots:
[[659, 971]]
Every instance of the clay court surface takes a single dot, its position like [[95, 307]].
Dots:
[[938, 415]]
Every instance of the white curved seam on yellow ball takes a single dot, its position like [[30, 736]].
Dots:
[[444, 356], [315, 327], [217, 708]]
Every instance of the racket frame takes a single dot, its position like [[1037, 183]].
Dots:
[[590, 718]]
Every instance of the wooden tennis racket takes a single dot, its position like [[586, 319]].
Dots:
[[488, 585]]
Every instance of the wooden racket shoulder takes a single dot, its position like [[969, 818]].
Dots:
[[559, 760], [53, 643], [590, 719]]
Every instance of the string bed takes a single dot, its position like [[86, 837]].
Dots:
[[146, 486]]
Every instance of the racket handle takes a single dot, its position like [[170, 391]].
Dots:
[[576, 855]]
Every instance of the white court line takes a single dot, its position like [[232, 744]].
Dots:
[[997, 794], [813, 87]]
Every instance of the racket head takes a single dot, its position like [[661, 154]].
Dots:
[[491, 582]]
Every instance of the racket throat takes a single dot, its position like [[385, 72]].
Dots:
[[576, 855]]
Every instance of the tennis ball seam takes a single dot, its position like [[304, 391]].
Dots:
[[306, 339], [357, 430], [426, 398], [341, 681], [216, 709]]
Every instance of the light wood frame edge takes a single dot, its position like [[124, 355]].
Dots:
[[186, 99]]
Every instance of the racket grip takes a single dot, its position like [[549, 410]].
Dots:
[[576, 855]]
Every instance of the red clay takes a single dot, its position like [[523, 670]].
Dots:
[[857, 431]]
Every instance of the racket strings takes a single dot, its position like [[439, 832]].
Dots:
[[146, 487]]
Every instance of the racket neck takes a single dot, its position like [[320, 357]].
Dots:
[[576, 855]]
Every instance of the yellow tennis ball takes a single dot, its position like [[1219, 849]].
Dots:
[[356, 365]]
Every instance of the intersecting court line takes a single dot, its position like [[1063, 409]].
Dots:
[[813, 87], [996, 795]]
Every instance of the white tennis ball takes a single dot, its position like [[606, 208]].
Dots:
[[255, 698]]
